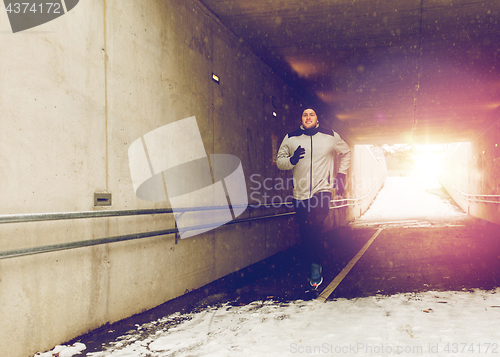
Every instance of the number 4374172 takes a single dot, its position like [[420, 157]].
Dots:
[[26, 7], [471, 348]]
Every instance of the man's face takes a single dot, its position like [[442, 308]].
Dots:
[[309, 119]]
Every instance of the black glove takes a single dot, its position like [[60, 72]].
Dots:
[[339, 183], [297, 155]]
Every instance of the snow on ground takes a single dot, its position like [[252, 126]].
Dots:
[[409, 197], [423, 324], [431, 323], [64, 351]]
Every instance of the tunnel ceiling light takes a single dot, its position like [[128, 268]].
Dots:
[[215, 78]]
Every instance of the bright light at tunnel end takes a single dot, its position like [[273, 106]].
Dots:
[[428, 159], [424, 161]]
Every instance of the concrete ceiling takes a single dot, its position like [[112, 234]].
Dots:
[[383, 71]]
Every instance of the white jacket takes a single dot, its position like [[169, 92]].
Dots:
[[314, 172]]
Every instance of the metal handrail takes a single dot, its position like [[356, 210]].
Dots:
[[118, 213], [356, 201], [91, 242], [38, 217], [469, 196]]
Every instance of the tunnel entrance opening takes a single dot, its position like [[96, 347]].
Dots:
[[412, 190]]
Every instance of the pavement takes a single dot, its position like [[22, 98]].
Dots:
[[459, 253]]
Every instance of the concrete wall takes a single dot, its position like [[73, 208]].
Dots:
[[471, 174], [74, 94]]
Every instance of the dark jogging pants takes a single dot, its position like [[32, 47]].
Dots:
[[310, 215]]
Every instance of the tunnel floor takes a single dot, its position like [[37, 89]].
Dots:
[[432, 252], [410, 256]]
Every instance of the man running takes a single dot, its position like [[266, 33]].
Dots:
[[309, 153]]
